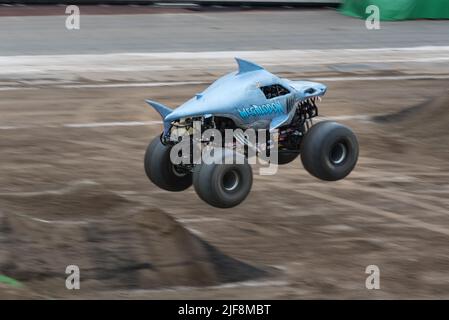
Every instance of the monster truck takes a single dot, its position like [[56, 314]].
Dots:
[[249, 98]]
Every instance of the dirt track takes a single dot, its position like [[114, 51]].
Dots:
[[294, 237]]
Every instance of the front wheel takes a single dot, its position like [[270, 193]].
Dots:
[[223, 185], [329, 151], [287, 156], [161, 171]]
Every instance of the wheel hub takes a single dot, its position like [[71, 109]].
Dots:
[[178, 172], [338, 153], [231, 180]]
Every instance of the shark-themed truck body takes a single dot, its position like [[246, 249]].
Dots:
[[250, 98]]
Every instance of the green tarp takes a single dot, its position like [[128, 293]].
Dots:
[[399, 9], [9, 281]]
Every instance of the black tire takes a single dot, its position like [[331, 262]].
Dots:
[[223, 185], [287, 157], [329, 151], [161, 171]]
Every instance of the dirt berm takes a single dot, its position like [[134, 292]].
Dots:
[[116, 243], [426, 123]]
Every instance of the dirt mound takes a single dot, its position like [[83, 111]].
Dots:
[[427, 123], [79, 199], [145, 249]]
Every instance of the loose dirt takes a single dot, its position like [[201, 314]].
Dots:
[[80, 196]]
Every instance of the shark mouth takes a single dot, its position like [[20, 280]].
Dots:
[[312, 100], [308, 107]]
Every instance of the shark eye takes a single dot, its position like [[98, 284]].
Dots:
[[310, 91]]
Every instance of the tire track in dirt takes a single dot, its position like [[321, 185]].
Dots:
[[396, 195], [377, 211]]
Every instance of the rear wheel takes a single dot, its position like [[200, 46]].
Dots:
[[329, 151], [161, 171]]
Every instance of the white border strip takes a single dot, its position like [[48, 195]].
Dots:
[[186, 83], [181, 61]]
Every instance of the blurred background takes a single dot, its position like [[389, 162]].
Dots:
[[74, 128]]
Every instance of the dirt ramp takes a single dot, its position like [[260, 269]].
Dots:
[[145, 249], [427, 123]]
